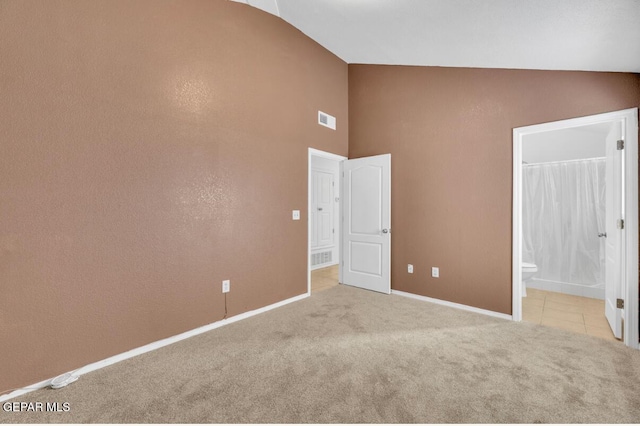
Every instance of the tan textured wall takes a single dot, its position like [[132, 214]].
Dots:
[[149, 150], [449, 131]]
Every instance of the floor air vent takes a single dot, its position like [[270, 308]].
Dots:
[[320, 258]]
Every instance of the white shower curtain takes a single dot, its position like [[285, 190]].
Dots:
[[563, 210]]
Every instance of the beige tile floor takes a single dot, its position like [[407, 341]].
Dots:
[[324, 278], [573, 313]]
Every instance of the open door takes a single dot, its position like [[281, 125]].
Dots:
[[367, 223], [614, 232]]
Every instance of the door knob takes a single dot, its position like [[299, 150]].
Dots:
[[386, 231], [603, 234], [319, 209]]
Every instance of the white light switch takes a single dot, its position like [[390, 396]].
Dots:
[[410, 268], [435, 272], [296, 215]]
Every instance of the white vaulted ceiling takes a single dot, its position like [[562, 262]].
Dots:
[[590, 35]]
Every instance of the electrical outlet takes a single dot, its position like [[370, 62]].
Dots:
[[226, 286], [410, 268], [435, 272], [295, 215]]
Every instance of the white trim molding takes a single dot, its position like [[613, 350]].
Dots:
[[153, 346], [629, 119], [452, 305]]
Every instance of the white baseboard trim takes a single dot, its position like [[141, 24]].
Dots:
[[452, 305], [153, 346]]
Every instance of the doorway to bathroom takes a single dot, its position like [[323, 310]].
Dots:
[[575, 254]]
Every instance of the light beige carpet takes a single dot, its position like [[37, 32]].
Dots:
[[349, 355]]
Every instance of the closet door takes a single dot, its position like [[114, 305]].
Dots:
[[322, 229], [324, 208]]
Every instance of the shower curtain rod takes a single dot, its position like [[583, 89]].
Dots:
[[524, 164]]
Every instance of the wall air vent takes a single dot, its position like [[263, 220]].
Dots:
[[321, 258], [326, 120]]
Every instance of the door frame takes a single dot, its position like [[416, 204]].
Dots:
[[328, 155], [630, 249]]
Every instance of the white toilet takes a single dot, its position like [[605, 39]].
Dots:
[[529, 270]]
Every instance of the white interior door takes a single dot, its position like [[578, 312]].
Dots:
[[367, 223], [614, 235], [313, 211], [324, 207]]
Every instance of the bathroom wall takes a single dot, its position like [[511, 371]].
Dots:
[[449, 132], [150, 149], [566, 144]]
